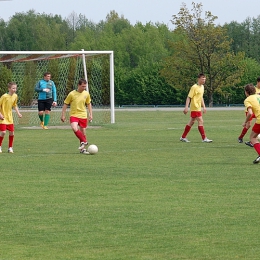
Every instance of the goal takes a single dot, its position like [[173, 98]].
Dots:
[[66, 67]]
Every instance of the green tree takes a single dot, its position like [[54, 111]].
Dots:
[[31, 31], [2, 35], [5, 78], [245, 37], [201, 47]]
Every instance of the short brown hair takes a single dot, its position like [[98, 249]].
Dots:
[[201, 75], [82, 81], [10, 84], [46, 73], [250, 89]]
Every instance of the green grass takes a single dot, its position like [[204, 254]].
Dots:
[[145, 195]]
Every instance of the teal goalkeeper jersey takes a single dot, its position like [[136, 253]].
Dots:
[[43, 84]]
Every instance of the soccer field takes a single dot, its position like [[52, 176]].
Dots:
[[145, 195]]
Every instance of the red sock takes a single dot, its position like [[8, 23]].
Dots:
[[186, 131], [257, 148], [244, 131], [1, 140], [80, 136], [202, 132], [11, 140]]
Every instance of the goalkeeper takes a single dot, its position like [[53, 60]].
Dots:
[[47, 97]]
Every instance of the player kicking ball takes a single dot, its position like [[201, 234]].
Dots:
[[78, 100]]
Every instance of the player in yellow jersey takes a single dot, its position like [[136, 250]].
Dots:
[[249, 122], [252, 104], [7, 102], [196, 101], [78, 100]]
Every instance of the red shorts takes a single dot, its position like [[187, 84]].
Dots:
[[4, 127], [82, 122], [253, 116], [195, 114], [256, 128]]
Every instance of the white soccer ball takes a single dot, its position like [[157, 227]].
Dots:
[[92, 149], [258, 137]]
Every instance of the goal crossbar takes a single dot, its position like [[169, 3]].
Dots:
[[19, 56]]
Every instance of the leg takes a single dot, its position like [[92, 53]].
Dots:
[[47, 111], [253, 139], [77, 132], [244, 131], [40, 114], [202, 130], [11, 141], [83, 131], [187, 130], [46, 118], [2, 135], [201, 127], [40, 111]]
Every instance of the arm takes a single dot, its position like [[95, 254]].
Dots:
[[2, 116], [90, 116], [186, 109], [17, 111], [248, 116], [54, 93], [203, 105], [63, 112], [39, 89]]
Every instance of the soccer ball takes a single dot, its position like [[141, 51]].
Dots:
[[92, 149]]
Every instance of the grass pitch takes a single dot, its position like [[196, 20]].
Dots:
[[145, 195]]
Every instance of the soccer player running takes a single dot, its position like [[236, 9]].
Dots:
[[249, 122], [47, 98], [252, 105], [196, 101], [78, 100], [7, 102]]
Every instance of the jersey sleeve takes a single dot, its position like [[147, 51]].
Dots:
[[88, 99], [192, 92], [68, 99], [54, 92]]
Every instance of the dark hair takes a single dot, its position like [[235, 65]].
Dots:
[[82, 81], [201, 75], [46, 73], [250, 89], [258, 79]]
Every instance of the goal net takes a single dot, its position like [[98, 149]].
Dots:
[[66, 68]]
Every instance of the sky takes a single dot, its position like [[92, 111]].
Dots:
[[144, 11]]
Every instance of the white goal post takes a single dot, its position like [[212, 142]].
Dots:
[[67, 67]]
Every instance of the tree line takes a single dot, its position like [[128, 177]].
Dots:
[[153, 64]]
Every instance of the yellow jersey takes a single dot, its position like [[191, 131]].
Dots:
[[78, 102], [7, 102], [196, 94], [253, 101], [257, 90]]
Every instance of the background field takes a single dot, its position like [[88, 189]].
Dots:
[[145, 195]]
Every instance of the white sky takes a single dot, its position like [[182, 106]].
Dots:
[[133, 10]]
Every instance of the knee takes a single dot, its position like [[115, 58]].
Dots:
[[3, 133]]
